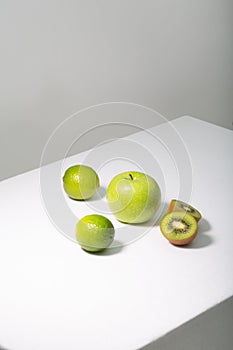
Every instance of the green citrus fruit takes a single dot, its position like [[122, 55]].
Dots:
[[80, 182], [94, 233]]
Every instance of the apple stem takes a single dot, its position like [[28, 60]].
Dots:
[[130, 175]]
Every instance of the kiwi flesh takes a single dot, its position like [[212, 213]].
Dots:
[[177, 205], [179, 227]]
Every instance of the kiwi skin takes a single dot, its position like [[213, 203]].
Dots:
[[174, 206], [184, 241]]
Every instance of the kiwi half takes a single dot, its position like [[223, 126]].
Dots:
[[179, 227], [177, 205]]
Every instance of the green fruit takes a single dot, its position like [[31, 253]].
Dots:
[[80, 182], [94, 233], [178, 227], [177, 205], [133, 197]]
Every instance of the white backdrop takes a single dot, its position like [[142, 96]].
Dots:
[[59, 56]]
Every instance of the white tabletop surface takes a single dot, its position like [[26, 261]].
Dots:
[[53, 295]]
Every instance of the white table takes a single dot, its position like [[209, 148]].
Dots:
[[53, 295]]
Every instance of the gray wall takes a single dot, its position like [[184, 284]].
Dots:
[[59, 56]]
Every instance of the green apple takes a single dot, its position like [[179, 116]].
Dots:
[[94, 232], [133, 197], [80, 182]]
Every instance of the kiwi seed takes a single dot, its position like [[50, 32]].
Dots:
[[179, 227]]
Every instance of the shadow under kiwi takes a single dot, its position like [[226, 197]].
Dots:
[[201, 240]]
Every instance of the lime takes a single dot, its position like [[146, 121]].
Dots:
[[94, 232], [80, 182]]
